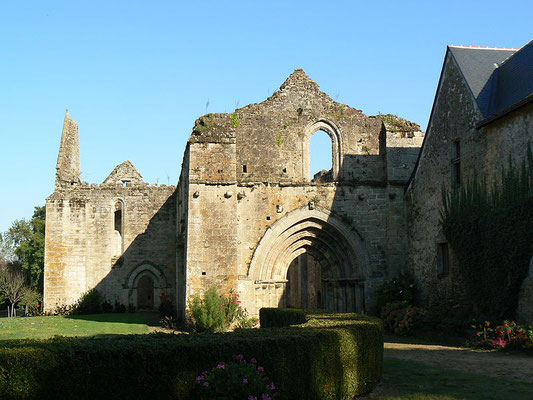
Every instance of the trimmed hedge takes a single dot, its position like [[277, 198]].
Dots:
[[281, 317], [331, 356]]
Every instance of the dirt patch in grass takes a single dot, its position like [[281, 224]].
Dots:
[[498, 364]]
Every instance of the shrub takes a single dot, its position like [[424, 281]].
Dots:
[[402, 288], [64, 309], [31, 302], [331, 356], [119, 307], [166, 306], [244, 321], [107, 307], [273, 318], [475, 217], [169, 322], [235, 381], [208, 314], [509, 335], [89, 302], [402, 318], [217, 313]]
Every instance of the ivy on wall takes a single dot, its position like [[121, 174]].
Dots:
[[490, 229]]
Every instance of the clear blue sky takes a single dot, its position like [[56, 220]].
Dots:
[[136, 74]]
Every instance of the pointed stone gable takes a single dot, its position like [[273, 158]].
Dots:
[[124, 173]]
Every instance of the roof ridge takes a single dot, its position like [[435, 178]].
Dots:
[[518, 51], [462, 46]]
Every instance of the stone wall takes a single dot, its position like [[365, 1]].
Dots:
[[248, 172], [483, 151], [245, 210], [83, 249]]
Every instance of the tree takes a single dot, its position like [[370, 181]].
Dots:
[[13, 287], [7, 254], [26, 239]]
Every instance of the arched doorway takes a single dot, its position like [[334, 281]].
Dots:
[[145, 293], [310, 259], [145, 283]]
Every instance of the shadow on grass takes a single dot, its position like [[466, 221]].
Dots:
[[412, 380], [145, 318]]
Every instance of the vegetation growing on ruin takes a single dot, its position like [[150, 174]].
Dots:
[[235, 122], [279, 139], [205, 124], [337, 111], [490, 229], [393, 123]]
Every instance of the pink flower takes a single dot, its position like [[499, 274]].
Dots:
[[499, 343], [245, 380], [253, 360], [260, 369], [271, 386], [239, 356], [221, 366], [199, 378], [206, 383]]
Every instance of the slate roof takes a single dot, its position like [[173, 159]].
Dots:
[[498, 78], [477, 65]]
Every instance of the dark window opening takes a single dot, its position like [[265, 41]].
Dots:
[[118, 217], [443, 260], [244, 169], [268, 218], [456, 162]]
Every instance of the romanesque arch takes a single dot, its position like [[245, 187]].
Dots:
[[145, 284], [329, 258], [336, 142]]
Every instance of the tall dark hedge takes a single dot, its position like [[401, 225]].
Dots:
[[331, 356], [490, 230]]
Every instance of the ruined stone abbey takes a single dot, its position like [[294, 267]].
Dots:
[[247, 216]]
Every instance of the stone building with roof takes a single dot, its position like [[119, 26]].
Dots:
[[246, 214], [482, 117]]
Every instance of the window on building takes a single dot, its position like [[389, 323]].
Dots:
[[118, 217], [321, 157], [456, 162], [443, 259]]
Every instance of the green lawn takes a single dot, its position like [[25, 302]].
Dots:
[[75, 325], [408, 380]]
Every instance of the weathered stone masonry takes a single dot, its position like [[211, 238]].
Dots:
[[245, 214]]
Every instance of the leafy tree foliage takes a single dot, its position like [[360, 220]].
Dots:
[[25, 241]]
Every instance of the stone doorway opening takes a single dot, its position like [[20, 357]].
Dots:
[[304, 283], [310, 259], [145, 293]]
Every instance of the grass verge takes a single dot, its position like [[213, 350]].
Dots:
[[409, 380], [74, 325]]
